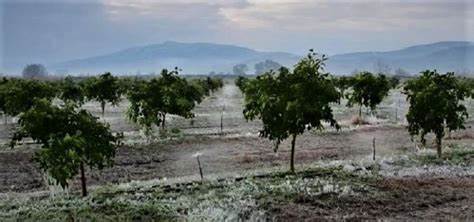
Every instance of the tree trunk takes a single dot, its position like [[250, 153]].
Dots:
[[163, 122], [102, 105], [83, 180], [292, 158], [438, 146], [360, 111]]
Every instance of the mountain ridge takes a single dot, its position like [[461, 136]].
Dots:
[[202, 58]]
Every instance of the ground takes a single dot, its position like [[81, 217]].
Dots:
[[408, 183]]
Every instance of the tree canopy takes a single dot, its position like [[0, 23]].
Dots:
[[151, 101], [71, 91], [290, 103], [368, 90], [105, 89], [435, 105]]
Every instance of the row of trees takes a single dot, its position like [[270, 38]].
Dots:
[[289, 103], [72, 138]]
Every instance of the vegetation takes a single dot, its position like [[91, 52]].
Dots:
[[18, 95], [151, 101], [240, 69], [435, 105], [290, 103], [266, 66], [34, 71], [71, 91], [104, 89], [368, 90], [69, 140]]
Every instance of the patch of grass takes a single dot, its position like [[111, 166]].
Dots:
[[244, 198], [454, 155]]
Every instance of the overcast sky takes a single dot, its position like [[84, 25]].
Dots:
[[49, 31]]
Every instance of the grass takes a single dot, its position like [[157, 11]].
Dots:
[[242, 198], [452, 155]]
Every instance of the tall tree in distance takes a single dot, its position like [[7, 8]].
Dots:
[[291, 103], [240, 69], [435, 104], [34, 71], [266, 66]]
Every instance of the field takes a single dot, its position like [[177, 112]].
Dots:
[[244, 179]]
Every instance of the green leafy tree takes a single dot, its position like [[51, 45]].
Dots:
[[435, 105], [150, 102], [71, 91], [290, 103], [19, 95], [69, 140], [368, 90], [241, 82], [342, 84], [104, 89]]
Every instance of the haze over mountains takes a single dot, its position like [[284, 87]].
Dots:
[[202, 58]]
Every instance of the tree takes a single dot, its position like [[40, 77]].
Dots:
[[241, 82], [435, 105], [104, 89], [368, 90], [240, 69], [19, 95], [266, 66], [71, 91], [69, 140], [34, 71], [151, 101], [342, 84], [380, 67], [290, 103]]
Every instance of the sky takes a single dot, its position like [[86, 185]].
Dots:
[[50, 31]]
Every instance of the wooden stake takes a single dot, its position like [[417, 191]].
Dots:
[[200, 168], [373, 145]]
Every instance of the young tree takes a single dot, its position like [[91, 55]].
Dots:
[[104, 89], [69, 140], [151, 101], [290, 103], [435, 105], [368, 90], [71, 91]]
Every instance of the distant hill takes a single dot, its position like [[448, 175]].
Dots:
[[193, 58], [443, 56], [202, 58]]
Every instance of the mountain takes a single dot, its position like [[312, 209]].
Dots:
[[193, 58], [443, 56], [202, 58]]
